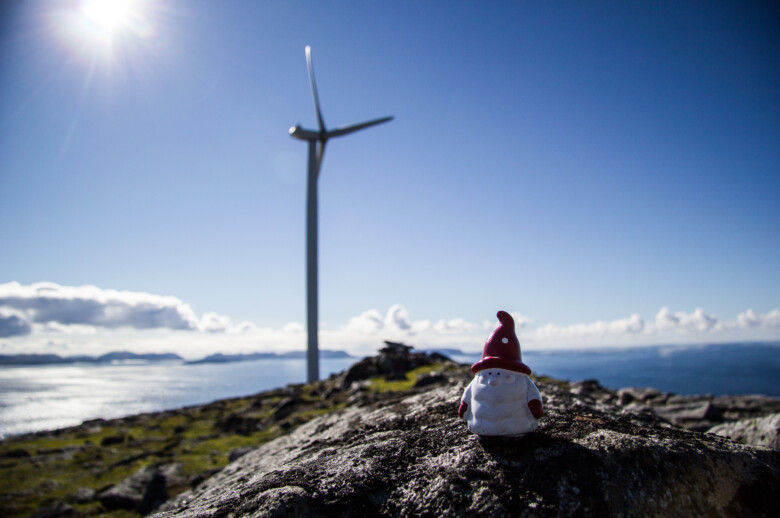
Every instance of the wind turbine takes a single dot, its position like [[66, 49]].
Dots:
[[317, 140]]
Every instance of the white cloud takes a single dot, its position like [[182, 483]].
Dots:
[[520, 321], [369, 321], [365, 332], [624, 326], [214, 323], [396, 322], [293, 327], [749, 319], [681, 321], [13, 323], [397, 318], [241, 328], [421, 326], [772, 319], [91, 320], [666, 328], [454, 325], [72, 329], [71, 309]]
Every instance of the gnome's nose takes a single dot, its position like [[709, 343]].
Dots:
[[493, 382]]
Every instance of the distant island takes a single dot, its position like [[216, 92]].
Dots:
[[45, 359], [227, 358], [54, 359]]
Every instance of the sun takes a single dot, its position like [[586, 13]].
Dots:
[[109, 15], [98, 28], [108, 19]]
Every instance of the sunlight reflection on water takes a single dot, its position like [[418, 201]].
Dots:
[[54, 396]]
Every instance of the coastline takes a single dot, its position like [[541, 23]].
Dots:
[[37, 398], [84, 468]]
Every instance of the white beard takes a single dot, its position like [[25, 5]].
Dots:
[[500, 409]]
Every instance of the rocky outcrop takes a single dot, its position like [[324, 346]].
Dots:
[[411, 455], [759, 431], [392, 363], [697, 412], [144, 490]]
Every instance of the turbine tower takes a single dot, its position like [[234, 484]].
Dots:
[[317, 140]]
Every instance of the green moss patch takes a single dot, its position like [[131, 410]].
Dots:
[[382, 385], [50, 467]]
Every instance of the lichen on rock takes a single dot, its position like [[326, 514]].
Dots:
[[413, 456]]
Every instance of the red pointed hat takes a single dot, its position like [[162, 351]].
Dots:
[[502, 349]]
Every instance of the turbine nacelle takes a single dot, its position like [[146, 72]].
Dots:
[[304, 134]]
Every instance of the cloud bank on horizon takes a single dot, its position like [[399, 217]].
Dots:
[[45, 316]]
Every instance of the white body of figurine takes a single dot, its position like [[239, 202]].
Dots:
[[497, 403], [501, 400]]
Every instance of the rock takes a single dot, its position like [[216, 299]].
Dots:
[[742, 407], [18, 453], [243, 425], [392, 363], [433, 378], [174, 475], [83, 495], [760, 431], [586, 387], [55, 510], [116, 439], [697, 412], [198, 479], [636, 394], [143, 491], [285, 407], [239, 452], [413, 456], [694, 415], [290, 500], [51, 485]]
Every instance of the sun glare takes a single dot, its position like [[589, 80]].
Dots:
[[95, 27], [108, 15]]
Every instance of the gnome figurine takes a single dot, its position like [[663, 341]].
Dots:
[[501, 400]]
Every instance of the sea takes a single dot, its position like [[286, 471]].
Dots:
[[47, 397]]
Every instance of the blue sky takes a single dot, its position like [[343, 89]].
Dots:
[[609, 173]]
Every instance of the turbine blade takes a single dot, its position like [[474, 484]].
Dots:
[[344, 130], [320, 156], [314, 89]]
